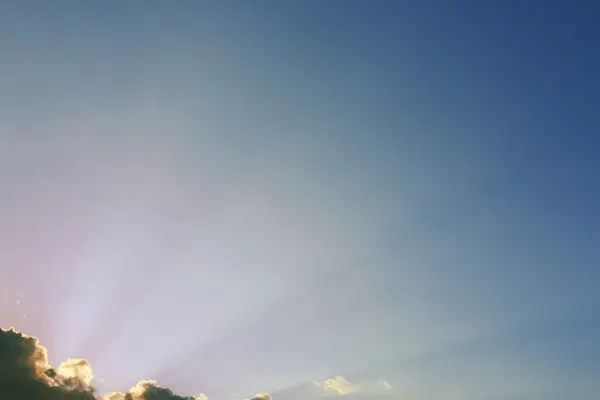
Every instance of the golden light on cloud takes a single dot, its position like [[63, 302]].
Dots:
[[261, 396], [145, 389], [202, 396], [76, 369]]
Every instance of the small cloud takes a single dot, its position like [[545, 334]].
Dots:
[[261, 396], [343, 387], [146, 390], [338, 385]]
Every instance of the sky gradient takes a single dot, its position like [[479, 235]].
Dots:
[[234, 197]]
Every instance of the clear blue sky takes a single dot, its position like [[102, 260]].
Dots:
[[242, 196]]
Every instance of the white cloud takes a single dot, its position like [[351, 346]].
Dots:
[[342, 387], [261, 396]]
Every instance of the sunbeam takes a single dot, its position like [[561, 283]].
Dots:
[[299, 200]]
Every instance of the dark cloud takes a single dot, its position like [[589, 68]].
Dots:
[[26, 375]]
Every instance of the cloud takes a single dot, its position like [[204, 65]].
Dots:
[[261, 396], [78, 371], [149, 390], [342, 387], [338, 385], [26, 374]]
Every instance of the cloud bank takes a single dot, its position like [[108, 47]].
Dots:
[[25, 374]]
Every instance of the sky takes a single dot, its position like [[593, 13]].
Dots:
[[233, 197]]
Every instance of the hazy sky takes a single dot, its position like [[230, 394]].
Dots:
[[242, 196]]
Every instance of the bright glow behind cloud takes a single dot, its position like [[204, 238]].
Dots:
[[76, 369]]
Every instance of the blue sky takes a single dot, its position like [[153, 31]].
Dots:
[[233, 197]]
